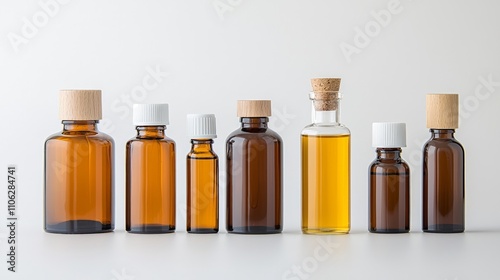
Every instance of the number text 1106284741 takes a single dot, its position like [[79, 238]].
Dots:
[[11, 219]]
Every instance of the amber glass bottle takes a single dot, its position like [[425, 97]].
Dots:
[[325, 149], [389, 184], [202, 170], [150, 172], [79, 168], [444, 168], [254, 172]]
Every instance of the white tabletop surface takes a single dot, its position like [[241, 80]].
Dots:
[[290, 255]]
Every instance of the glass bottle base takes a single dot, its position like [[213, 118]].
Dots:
[[255, 230], [79, 227], [325, 231], [150, 229], [444, 228], [202, 230], [372, 230]]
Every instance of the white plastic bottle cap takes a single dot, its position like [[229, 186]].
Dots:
[[388, 135], [150, 114], [201, 126]]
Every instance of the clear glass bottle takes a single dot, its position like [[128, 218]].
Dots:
[[150, 172], [254, 172], [389, 190], [443, 168], [325, 149], [79, 168], [202, 170]]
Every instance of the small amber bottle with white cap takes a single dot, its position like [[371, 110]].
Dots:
[[443, 168], [150, 172], [254, 172], [389, 183], [79, 168], [202, 170]]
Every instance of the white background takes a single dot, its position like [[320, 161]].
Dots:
[[253, 50]]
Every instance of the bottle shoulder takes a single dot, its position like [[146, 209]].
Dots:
[[443, 144], [315, 129], [260, 133], [210, 154], [164, 141], [400, 166], [90, 136]]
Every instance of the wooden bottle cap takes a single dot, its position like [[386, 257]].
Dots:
[[80, 105], [254, 108], [325, 93], [442, 111]]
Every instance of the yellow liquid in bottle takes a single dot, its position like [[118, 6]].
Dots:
[[325, 184]]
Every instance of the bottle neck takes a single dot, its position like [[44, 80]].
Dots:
[[80, 125], [151, 132], [328, 116], [201, 145], [254, 123], [389, 154], [442, 133]]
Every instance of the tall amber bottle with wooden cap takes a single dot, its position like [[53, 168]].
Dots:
[[444, 168], [202, 176], [254, 172], [79, 168], [325, 149], [150, 174]]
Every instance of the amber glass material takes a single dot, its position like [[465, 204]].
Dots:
[[79, 180], [325, 183], [254, 179], [443, 183], [202, 172], [150, 190], [389, 193]]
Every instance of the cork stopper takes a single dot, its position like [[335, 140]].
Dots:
[[80, 105], [254, 108], [325, 94], [442, 111], [325, 84]]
